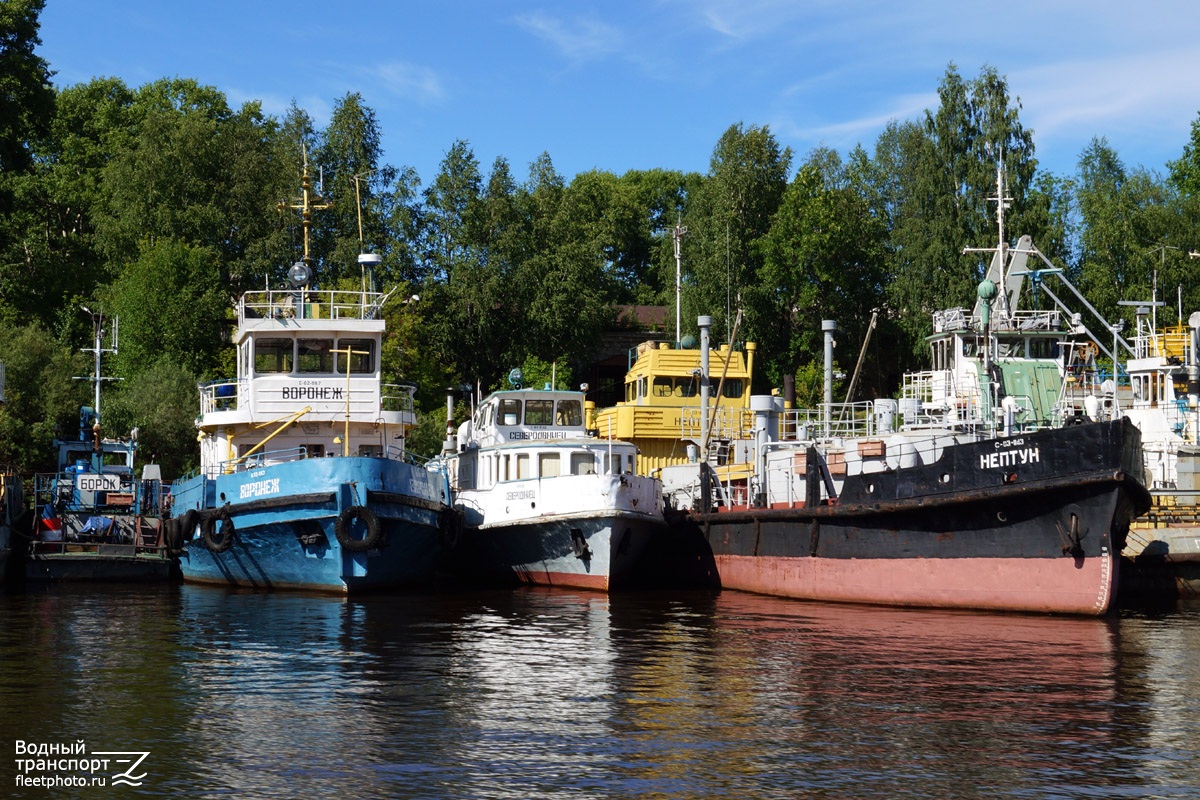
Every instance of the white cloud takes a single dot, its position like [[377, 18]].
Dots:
[[409, 81], [578, 39]]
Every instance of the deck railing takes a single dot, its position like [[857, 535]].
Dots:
[[310, 304]]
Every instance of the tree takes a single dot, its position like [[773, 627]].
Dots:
[[172, 304], [26, 108], [358, 188], [55, 261], [564, 295], [1131, 239], [822, 259], [196, 172], [936, 181], [733, 207], [42, 400], [26, 98], [460, 331], [161, 401]]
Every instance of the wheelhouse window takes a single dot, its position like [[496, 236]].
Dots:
[[314, 355], [539, 412], [510, 412], [1043, 348], [361, 357], [273, 355], [570, 412], [583, 464]]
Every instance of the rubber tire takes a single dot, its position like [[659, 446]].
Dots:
[[187, 524], [368, 518], [218, 542], [172, 536]]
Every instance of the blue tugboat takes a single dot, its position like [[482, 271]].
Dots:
[[95, 518], [304, 481]]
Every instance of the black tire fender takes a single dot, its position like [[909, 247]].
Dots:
[[368, 518], [172, 536], [187, 524], [214, 541]]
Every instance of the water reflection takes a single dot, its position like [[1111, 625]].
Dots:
[[547, 694]]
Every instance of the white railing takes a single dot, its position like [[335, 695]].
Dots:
[[845, 420], [225, 395], [220, 395], [309, 304], [397, 397]]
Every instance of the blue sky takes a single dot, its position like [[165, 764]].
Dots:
[[638, 85]]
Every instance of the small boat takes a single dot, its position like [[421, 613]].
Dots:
[[304, 478], [977, 488], [94, 518], [542, 501], [1163, 400]]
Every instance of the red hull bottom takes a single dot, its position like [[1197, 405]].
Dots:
[[1058, 586], [568, 580]]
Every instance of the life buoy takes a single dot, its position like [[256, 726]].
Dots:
[[214, 541], [172, 534], [369, 520]]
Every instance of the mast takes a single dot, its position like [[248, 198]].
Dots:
[[300, 273], [678, 235], [98, 350]]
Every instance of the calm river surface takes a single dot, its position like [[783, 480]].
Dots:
[[548, 694]]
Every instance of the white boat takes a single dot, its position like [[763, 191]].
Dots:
[[543, 502], [1163, 400]]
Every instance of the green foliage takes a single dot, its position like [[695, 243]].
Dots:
[[822, 259], [162, 204], [161, 401], [935, 181], [26, 99], [42, 399], [733, 207], [1130, 241], [172, 304]]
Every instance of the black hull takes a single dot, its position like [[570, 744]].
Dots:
[[1030, 523]]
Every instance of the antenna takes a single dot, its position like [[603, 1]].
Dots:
[[364, 257], [98, 350], [306, 204], [678, 235]]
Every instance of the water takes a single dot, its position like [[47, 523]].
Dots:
[[545, 694]]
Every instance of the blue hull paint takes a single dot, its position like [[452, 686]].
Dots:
[[285, 517]]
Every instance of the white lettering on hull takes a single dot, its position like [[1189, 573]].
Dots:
[[1010, 458], [259, 488]]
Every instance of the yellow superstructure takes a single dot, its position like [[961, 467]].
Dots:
[[661, 411]]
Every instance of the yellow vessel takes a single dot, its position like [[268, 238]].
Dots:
[[661, 412]]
